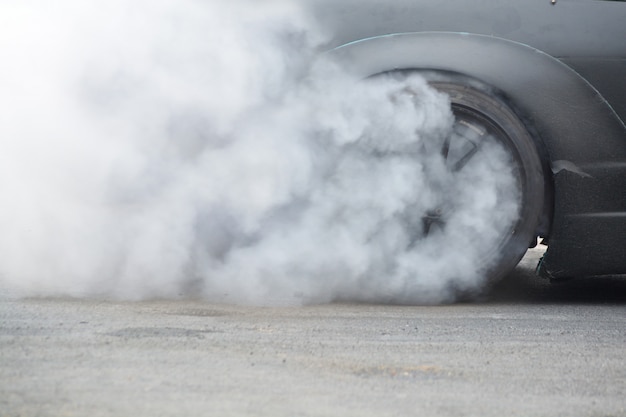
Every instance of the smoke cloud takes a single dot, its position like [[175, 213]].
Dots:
[[199, 149]]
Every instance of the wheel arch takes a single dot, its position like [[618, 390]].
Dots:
[[561, 109], [558, 102]]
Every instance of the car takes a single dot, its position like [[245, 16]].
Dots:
[[213, 147], [544, 78]]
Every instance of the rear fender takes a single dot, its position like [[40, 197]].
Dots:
[[584, 138]]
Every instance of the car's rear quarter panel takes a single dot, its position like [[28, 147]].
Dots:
[[589, 36]]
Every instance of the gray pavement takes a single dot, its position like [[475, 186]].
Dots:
[[527, 349]]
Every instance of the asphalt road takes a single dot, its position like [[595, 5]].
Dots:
[[528, 349]]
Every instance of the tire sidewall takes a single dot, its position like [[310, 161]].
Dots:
[[520, 144]]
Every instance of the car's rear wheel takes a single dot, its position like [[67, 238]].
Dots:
[[488, 142]]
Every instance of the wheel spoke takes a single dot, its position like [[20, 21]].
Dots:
[[445, 150], [458, 165], [431, 218]]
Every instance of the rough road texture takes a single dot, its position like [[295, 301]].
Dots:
[[530, 349]]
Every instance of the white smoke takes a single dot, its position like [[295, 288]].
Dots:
[[187, 148]]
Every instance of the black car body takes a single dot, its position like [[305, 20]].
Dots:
[[560, 66]]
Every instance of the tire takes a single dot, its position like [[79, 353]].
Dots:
[[486, 113]]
